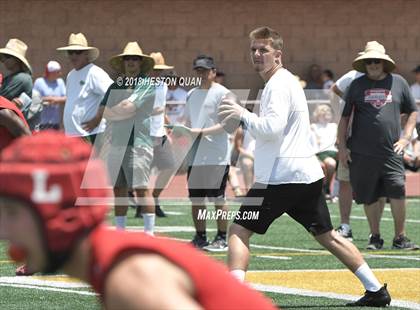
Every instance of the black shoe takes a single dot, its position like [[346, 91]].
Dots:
[[138, 214], [375, 242], [199, 242], [344, 233], [159, 212], [380, 298], [403, 243]]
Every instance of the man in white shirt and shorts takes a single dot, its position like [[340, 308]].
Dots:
[[288, 175]]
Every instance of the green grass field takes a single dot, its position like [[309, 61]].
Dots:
[[318, 280]]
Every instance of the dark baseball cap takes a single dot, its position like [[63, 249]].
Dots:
[[417, 69], [203, 61]]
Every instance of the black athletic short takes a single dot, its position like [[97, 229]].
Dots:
[[305, 203], [207, 181], [372, 178]]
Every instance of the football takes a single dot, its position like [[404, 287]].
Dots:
[[229, 125]]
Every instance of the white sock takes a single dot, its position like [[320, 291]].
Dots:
[[120, 222], [238, 274], [368, 279], [149, 223], [345, 227]]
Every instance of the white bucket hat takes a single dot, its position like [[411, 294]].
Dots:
[[373, 50]]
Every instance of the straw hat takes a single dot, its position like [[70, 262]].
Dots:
[[160, 61], [17, 48], [132, 49], [373, 50], [78, 42]]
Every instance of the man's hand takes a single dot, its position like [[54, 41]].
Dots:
[[230, 109], [344, 156], [400, 145], [230, 113], [91, 124], [181, 130], [18, 102]]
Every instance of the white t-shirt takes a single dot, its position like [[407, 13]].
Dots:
[[344, 82], [415, 90], [85, 89], [175, 112], [324, 136], [201, 109], [157, 121], [283, 152]]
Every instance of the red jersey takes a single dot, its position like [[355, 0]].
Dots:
[[215, 287], [5, 136]]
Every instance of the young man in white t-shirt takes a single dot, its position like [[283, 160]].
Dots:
[[345, 193], [163, 158], [415, 90], [288, 176], [209, 160]]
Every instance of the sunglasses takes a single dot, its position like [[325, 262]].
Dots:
[[372, 61], [133, 58], [74, 52], [4, 57]]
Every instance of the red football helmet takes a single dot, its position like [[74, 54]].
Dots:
[[50, 172]]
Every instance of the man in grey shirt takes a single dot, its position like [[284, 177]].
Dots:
[[375, 102], [208, 165]]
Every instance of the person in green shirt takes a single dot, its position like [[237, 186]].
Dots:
[[127, 107], [19, 79]]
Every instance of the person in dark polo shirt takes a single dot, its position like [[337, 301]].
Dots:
[[374, 102]]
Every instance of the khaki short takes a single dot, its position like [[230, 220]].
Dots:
[[343, 173]]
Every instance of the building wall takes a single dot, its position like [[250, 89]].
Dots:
[[326, 32]]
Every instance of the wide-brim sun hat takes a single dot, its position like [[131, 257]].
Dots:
[[132, 49], [78, 42], [373, 50], [160, 62], [17, 49]]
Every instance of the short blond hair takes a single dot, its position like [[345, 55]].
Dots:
[[320, 110], [268, 33]]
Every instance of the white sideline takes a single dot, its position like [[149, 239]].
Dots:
[[310, 293]]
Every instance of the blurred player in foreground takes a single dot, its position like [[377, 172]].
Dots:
[[52, 211]]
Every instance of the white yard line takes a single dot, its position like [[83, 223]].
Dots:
[[330, 270], [275, 257], [386, 219], [43, 288], [310, 293], [41, 282]]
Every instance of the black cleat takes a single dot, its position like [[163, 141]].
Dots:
[[375, 242], [159, 212], [403, 243], [199, 242], [138, 214], [380, 298]]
